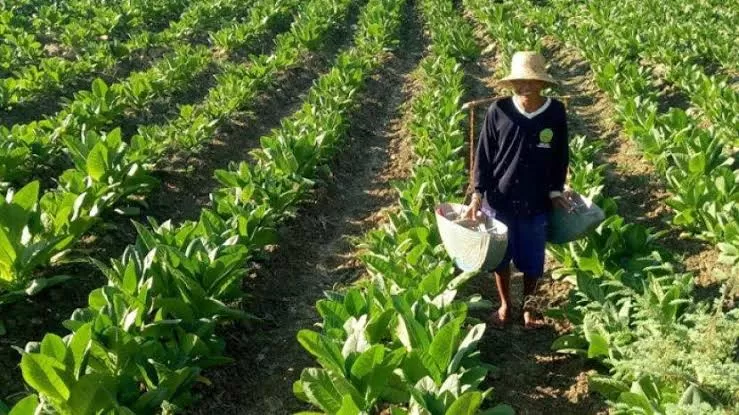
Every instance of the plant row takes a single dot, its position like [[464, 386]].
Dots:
[[108, 172], [54, 73], [402, 342], [632, 310], [58, 48], [670, 48], [26, 148]]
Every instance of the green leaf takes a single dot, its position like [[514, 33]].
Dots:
[[27, 406], [99, 87], [569, 342], [368, 361], [445, 343], [354, 304], [598, 346], [53, 346], [90, 395], [608, 387], [323, 348], [320, 391], [27, 196], [691, 396], [697, 163], [466, 404], [348, 407], [40, 371], [636, 400], [333, 313], [97, 162], [40, 284], [501, 409], [379, 326], [7, 249], [79, 347]]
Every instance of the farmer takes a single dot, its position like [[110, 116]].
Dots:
[[520, 170]]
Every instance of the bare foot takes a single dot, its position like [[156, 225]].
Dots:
[[530, 322], [500, 319]]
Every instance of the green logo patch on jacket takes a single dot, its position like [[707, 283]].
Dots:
[[546, 135]]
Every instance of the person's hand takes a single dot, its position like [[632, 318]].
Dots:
[[474, 207], [561, 202]]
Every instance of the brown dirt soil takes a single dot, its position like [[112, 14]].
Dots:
[[316, 252], [529, 376]]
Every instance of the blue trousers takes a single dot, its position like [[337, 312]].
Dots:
[[527, 239]]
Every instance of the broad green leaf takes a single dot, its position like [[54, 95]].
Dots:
[[322, 348], [636, 400], [8, 253], [90, 395], [467, 404], [333, 313], [354, 304], [97, 162], [691, 396], [40, 371], [368, 361], [379, 326], [99, 87], [607, 386], [79, 347], [501, 409], [570, 342], [27, 196], [27, 406], [445, 342], [348, 407], [697, 163], [40, 284], [598, 346], [53, 346], [320, 391]]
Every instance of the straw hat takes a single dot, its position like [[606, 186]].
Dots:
[[528, 66]]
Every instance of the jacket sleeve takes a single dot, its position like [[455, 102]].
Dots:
[[487, 145], [561, 155]]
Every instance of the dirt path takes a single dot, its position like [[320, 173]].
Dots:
[[316, 252]]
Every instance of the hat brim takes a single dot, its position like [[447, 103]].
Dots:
[[506, 82]]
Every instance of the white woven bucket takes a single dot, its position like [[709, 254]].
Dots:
[[471, 250], [567, 226]]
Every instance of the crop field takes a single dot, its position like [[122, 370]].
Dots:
[[227, 206]]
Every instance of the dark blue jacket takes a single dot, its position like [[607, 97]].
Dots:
[[519, 161]]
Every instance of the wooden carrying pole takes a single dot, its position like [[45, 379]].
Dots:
[[471, 105]]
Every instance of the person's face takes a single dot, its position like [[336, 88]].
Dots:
[[528, 87]]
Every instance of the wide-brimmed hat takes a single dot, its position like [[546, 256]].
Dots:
[[527, 66]]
